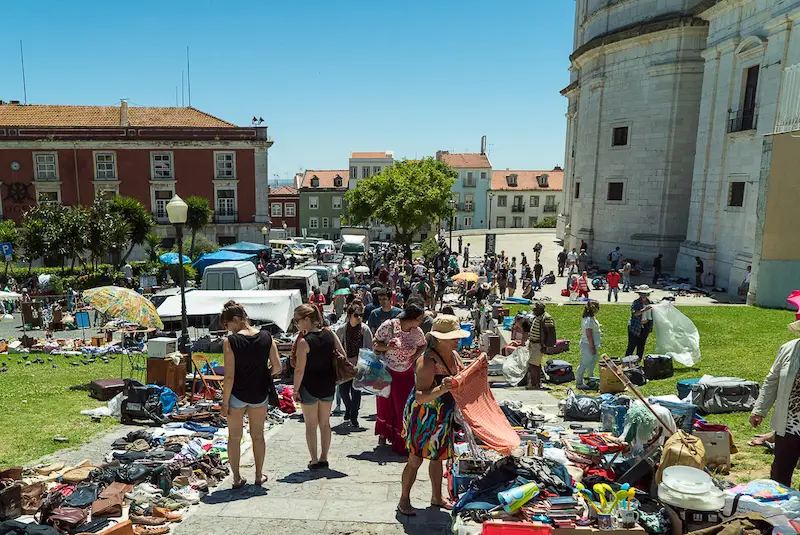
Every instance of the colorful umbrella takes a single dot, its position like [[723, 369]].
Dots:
[[794, 299], [342, 291], [172, 259], [469, 276], [124, 304]]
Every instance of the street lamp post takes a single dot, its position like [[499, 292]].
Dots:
[[264, 232], [452, 217], [177, 212], [490, 210]]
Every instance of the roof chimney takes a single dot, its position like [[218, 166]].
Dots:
[[440, 153], [123, 113], [557, 168], [483, 144]]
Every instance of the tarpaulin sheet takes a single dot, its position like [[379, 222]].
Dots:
[[219, 256], [246, 247], [276, 306]]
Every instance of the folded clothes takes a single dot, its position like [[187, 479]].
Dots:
[[200, 428]]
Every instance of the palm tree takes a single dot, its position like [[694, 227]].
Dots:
[[152, 246], [139, 219], [199, 215]]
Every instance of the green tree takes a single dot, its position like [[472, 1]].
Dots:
[[198, 216], [202, 245], [429, 249], [407, 196], [138, 218], [107, 230], [32, 237], [74, 235], [152, 247]]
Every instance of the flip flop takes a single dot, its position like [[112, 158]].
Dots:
[[406, 510], [447, 505], [261, 480], [760, 440], [239, 484]]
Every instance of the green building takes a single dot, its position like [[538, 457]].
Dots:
[[322, 203]]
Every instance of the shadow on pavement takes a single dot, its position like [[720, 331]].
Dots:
[[234, 495], [311, 475], [427, 521], [345, 429], [380, 455]]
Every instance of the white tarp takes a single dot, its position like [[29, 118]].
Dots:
[[676, 335], [276, 306], [353, 238]]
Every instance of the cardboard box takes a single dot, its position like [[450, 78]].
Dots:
[[609, 383]]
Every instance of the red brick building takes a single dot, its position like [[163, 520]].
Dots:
[[70, 154], [284, 206]]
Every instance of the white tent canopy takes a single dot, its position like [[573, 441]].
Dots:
[[276, 306]]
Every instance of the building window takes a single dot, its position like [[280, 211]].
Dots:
[[518, 203], [745, 119], [577, 190], [313, 203], [226, 203], [620, 136], [736, 194], [48, 197], [225, 164], [277, 209], [354, 172], [46, 165], [313, 222], [337, 222], [615, 191], [336, 203], [502, 200], [501, 222], [516, 222], [325, 222], [534, 201], [483, 175], [315, 181], [161, 163], [511, 180], [291, 209], [469, 202], [105, 167], [467, 221], [376, 169], [223, 241], [106, 190], [365, 171], [161, 198], [532, 221], [338, 181]]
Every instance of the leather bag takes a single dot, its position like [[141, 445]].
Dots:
[[67, 518], [11, 502], [32, 496]]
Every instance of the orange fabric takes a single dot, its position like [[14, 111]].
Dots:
[[480, 410]]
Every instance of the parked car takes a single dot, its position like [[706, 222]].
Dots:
[[231, 275], [327, 280], [294, 279]]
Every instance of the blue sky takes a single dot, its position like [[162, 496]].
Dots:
[[328, 77]]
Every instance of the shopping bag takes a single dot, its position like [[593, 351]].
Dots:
[[676, 335], [515, 366], [372, 376]]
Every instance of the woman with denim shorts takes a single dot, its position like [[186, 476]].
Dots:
[[251, 360], [315, 380]]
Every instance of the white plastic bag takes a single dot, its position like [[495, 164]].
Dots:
[[516, 365], [676, 335], [372, 376]]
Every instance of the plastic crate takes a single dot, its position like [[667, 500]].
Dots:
[[684, 414], [498, 527], [685, 387], [466, 342]]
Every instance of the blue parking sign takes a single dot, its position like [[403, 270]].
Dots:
[[6, 249]]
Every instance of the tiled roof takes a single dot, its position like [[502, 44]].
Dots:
[[371, 155], [283, 190], [466, 160], [325, 178], [57, 116], [526, 180]]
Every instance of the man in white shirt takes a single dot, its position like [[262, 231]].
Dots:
[[572, 259], [614, 257]]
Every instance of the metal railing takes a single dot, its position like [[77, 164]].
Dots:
[[470, 183], [742, 120], [226, 216], [788, 119], [518, 208], [466, 207], [550, 208]]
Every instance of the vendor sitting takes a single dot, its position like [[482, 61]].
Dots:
[[520, 331]]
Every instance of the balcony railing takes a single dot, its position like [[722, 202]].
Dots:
[[549, 208], [466, 207], [226, 216], [518, 208], [741, 120], [470, 183], [789, 106], [161, 217]]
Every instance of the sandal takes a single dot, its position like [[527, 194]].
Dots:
[[261, 480], [445, 504], [406, 509], [239, 484], [314, 466], [324, 465]]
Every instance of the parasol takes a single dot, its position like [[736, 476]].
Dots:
[[342, 291], [172, 259], [362, 269], [794, 299], [124, 304], [469, 276]]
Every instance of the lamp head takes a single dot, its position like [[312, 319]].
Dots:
[[177, 210]]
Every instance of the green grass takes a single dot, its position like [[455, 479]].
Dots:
[[38, 404], [734, 341]]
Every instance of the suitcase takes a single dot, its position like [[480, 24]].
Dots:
[[562, 346], [105, 389], [725, 394], [658, 367], [559, 372]]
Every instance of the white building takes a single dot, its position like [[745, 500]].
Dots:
[[675, 100], [363, 165], [521, 199]]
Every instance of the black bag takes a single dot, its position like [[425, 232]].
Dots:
[[559, 372], [720, 395], [83, 496], [658, 367], [636, 376], [582, 408]]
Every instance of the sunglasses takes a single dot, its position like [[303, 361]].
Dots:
[[357, 314]]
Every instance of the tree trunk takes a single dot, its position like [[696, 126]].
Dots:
[[30, 267], [191, 247], [125, 258]]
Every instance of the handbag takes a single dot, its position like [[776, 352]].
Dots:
[[32, 498], [67, 518], [11, 502], [345, 370]]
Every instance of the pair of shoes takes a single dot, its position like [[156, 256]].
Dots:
[[185, 495], [147, 520], [144, 530], [169, 516], [140, 497]]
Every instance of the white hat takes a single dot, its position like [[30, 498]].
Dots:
[[447, 327], [644, 289], [795, 326]]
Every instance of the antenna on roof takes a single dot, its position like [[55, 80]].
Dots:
[[183, 99], [24, 85], [176, 96], [188, 78]]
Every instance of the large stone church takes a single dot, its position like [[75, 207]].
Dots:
[[682, 126]]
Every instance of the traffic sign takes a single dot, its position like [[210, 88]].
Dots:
[[6, 249]]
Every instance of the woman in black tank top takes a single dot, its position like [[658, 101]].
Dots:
[[251, 360], [315, 380]]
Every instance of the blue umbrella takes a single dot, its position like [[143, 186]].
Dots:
[[172, 258]]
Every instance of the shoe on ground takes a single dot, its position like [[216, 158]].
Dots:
[[170, 516], [149, 488], [168, 504], [142, 498], [180, 481], [185, 495], [147, 520], [145, 530]]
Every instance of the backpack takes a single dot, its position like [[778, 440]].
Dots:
[[658, 367], [559, 372]]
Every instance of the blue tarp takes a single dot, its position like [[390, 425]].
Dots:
[[220, 256], [246, 247]]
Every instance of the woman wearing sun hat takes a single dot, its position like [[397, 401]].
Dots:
[[430, 411], [641, 322], [782, 389]]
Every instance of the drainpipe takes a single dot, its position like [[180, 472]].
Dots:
[[75, 163]]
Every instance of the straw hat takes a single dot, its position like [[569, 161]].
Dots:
[[795, 326], [644, 289], [446, 327]]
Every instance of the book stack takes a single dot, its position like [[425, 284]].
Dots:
[[561, 511]]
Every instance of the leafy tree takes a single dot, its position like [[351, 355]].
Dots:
[[139, 219], [198, 216], [74, 236], [107, 230], [152, 247], [32, 237], [429, 249], [202, 245], [406, 196]]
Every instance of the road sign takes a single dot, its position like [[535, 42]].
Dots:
[[491, 239], [305, 232], [6, 249]]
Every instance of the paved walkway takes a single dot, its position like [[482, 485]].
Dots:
[[358, 495]]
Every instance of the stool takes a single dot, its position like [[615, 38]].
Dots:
[[98, 341]]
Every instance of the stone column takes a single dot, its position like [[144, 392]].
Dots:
[[262, 184]]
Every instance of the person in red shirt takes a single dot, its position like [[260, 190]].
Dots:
[[317, 299], [582, 285], [613, 284]]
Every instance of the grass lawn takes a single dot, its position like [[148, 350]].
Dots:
[[734, 341]]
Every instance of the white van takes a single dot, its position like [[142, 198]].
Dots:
[[231, 275], [294, 279]]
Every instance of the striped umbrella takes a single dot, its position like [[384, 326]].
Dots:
[[124, 304]]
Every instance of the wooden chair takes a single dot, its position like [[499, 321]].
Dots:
[[199, 361]]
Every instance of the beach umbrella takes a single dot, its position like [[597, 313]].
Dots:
[[124, 304], [172, 259], [794, 299], [342, 291], [362, 269], [469, 276]]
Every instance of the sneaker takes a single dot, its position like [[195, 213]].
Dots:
[[185, 495], [142, 498], [168, 504], [149, 488]]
